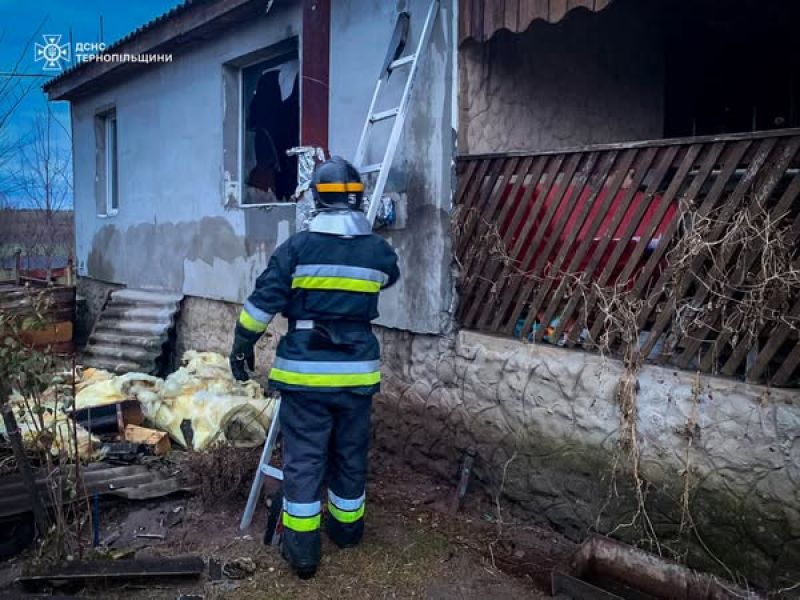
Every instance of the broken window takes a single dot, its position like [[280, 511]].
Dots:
[[107, 181], [271, 109]]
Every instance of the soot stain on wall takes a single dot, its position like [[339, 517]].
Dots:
[[152, 254]]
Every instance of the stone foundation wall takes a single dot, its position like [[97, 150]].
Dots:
[[546, 425], [549, 418]]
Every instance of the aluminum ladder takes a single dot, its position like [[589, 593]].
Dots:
[[393, 62], [264, 468]]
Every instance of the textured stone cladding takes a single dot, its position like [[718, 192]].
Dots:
[[550, 419]]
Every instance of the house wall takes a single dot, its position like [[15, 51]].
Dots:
[[172, 230], [422, 173], [591, 78]]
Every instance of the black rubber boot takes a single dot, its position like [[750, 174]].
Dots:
[[301, 551]]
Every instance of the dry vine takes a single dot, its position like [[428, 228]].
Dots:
[[727, 281]]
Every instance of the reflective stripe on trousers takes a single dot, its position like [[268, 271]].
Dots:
[[326, 374], [302, 516], [345, 510]]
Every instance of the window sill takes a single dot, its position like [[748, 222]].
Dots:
[[108, 215], [267, 205]]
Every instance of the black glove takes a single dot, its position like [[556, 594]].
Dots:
[[242, 354]]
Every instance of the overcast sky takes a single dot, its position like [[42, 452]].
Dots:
[[24, 22]]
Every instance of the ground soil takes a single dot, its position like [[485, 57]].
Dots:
[[413, 547]]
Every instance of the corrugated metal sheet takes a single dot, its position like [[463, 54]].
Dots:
[[481, 19], [131, 331], [134, 482]]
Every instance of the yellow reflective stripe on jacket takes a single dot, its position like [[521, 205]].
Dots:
[[325, 379], [250, 323], [301, 524], [336, 283], [345, 516]]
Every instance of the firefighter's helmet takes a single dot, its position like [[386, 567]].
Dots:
[[337, 185]]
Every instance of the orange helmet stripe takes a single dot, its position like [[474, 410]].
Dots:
[[340, 187]]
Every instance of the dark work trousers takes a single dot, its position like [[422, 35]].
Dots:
[[325, 435]]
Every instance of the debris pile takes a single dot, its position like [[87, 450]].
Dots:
[[199, 405]]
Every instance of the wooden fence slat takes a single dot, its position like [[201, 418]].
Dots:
[[486, 216], [579, 183], [476, 20], [511, 17], [745, 344], [657, 177], [733, 155], [486, 268], [779, 334], [504, 291], [464, 21], [518, 257], [494, 16], [698, 181], [558, 10], [772, 178], [598, 180], [788, 367], [617, 179], [499, 268], [675, 185], [731, 204], [471, 200], [641, 168], [560, 189]]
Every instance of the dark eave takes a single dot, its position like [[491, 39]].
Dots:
[[188, 23]]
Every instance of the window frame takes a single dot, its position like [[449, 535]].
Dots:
[[111, 132]]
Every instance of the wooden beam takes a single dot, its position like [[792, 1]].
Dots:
[[315, 80]]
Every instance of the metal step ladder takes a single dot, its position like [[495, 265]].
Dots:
[[394, 61]]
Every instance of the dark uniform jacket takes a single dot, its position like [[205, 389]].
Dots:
[[326, 282]]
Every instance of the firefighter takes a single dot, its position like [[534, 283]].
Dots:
[[326, 282]]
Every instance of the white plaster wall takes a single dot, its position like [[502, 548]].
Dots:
[[360, 35], [556, 413], [172, 230], [591, 78]]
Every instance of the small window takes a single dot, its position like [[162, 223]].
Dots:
[[107, 164], [271, 109], [112, 179]]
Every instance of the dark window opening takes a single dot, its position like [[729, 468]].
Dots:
[[271, 107], [731, 67]]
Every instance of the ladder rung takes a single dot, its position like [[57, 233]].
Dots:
[[402, 61], [386, 114], [273, 472], [371, 168]]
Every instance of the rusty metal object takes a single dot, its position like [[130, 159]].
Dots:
[[604, 559]]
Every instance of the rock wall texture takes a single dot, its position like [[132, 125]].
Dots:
[[545, 423], [719, 460]]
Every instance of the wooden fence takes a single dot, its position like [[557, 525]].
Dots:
[[682, 250]]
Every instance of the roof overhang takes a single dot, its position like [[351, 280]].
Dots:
[[481, 19], [187, 24]]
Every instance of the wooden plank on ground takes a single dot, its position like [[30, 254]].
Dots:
[[83, 570]]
